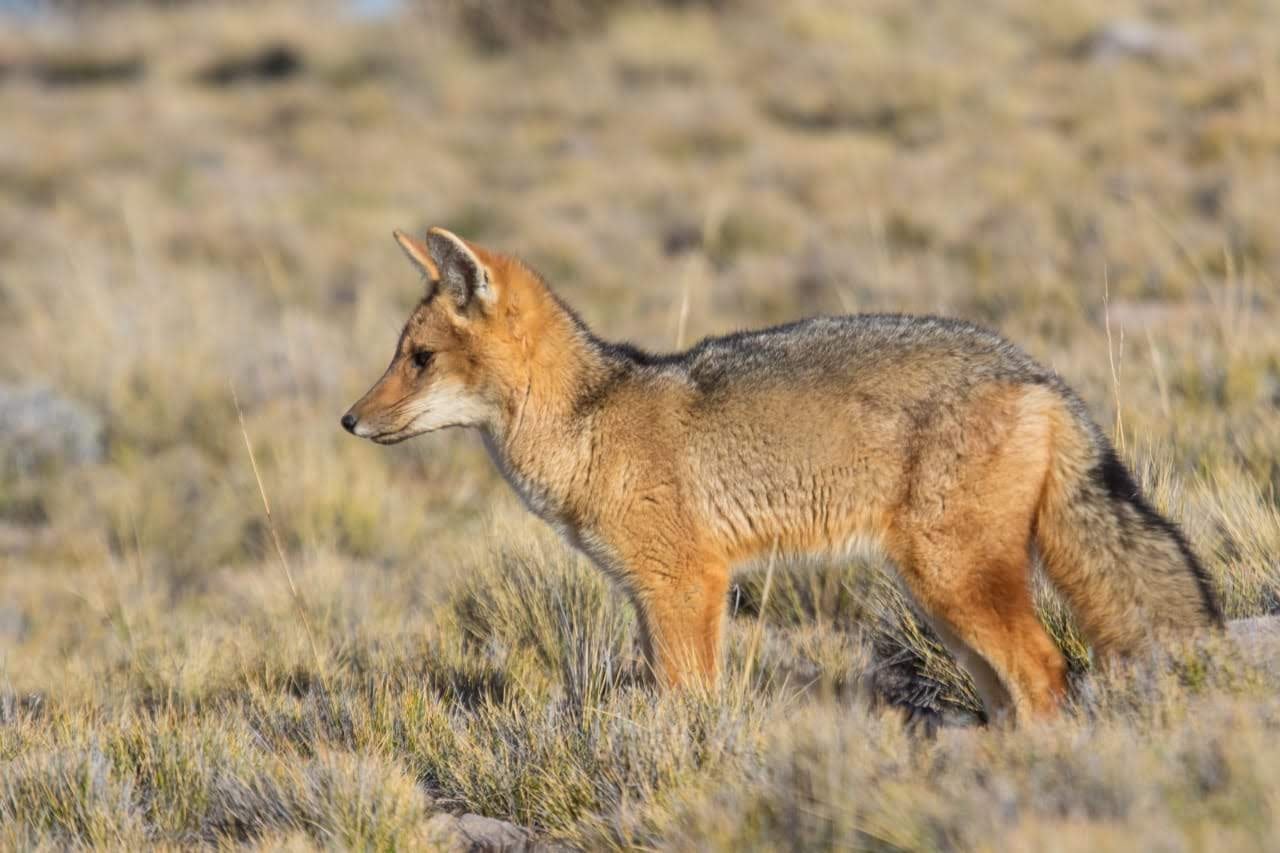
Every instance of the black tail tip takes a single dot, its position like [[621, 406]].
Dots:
[[1114, 476]]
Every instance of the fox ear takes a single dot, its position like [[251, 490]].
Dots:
[[462, 275], [418, 254]]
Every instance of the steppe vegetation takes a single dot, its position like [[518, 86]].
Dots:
[[197, 199]]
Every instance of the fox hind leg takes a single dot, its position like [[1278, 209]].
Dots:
[[989, 615], [962, 540]]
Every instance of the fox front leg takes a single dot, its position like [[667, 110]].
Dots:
[[681, 616]]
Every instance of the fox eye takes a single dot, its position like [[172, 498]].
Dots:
[[422, 358]]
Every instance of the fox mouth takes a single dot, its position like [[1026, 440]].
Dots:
[[391, 437], [395, 436]]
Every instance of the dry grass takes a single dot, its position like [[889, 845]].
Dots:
[[676, 170]]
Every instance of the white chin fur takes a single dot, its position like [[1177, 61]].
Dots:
[[443, 406]]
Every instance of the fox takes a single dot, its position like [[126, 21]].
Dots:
[[933, 441]]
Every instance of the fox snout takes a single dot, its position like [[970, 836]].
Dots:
[[385, 413], [351, 423], [363, 424], [367, 418]]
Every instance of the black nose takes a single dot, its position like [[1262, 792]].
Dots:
[[349, 422]]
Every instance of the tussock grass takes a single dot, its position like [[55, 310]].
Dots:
[[677, 170]]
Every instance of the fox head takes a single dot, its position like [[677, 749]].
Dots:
[[461, 359]]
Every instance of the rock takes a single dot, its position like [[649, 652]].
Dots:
[[1258, 638], [40, 428], [1257, 626], [443, 831], [475, 833], [1132, 39], [486, 833]]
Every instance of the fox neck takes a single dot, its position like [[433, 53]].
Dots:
[[542, 442]]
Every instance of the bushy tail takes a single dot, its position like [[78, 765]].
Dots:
[[1123, 568]]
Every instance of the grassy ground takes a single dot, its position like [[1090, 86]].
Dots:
[[201, 199]]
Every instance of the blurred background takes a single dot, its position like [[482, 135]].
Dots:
[[198, 198]]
